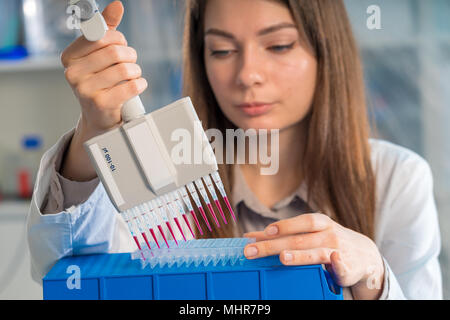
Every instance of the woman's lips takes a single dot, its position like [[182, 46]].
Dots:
[[256, 108]]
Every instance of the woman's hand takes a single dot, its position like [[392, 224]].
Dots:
[[352, 258], [103, 76]]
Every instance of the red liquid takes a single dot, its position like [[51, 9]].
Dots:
[[139, 246], [164, 237], [211, 210], [171, 232], [229, 207], [146, 240], [137, 242], [220, 210], [188, 224], [179, 228], [154, 237], [204, 217], [196, 222]]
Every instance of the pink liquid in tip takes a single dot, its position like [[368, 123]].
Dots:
[[219, 207], [179, 228], [137, 242], [171, 232], [139, 246], [154, 237], [229, 207], [205, 218], [196, 222], [188, 224], [211, 210], [146, 240], [164, 237]]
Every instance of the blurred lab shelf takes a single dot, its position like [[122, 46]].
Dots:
[[14, 209], [53, 63], [46, 63]]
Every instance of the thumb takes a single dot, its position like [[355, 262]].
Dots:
[[113, 14]]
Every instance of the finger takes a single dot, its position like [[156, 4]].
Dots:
[[111, 76], [304, 223], [258, 235], [118, 95], [82, 47], [306, 257], [275, 246], [99, 61], [339, 269], [113, 14]]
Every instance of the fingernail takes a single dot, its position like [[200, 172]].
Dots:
[[251, 252], [272, 230], [288, 256]]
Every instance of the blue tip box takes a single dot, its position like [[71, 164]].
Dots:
[[118, 277]]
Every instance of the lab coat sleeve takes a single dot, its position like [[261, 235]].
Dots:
[[90, 227], [64, 193], [410, 240]]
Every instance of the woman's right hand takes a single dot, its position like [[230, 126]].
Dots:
[[103, 76]]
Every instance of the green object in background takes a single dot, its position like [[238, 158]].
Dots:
[[9, 23]]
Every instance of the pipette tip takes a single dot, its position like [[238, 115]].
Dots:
[[146, 240], [219, 207], [189, 225], [179, 227], [164, 237], [196, 222], [154, 237], [205, 218], [229, 208], [171, 232], [211, 211], [137, 242]]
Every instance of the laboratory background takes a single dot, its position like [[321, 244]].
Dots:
[[406, 55]]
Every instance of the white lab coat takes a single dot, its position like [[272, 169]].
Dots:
[[407, 231]]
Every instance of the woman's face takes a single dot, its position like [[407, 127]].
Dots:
[[253, 54]]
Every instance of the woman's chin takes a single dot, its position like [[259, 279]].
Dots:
[[257, 124]]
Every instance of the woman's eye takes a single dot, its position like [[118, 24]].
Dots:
[[220, 53], [278, 49], [282, 48]]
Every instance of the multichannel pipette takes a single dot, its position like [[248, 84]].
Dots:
[[134, 162]]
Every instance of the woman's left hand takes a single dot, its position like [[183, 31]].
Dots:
[[352, 258]]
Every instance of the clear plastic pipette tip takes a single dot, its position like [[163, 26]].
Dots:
[[130, 228], [149, 218], [218, 182], [153, 206], [210, 186], [162, 210], [173, 213], [177, 202], [193, 192], [201, 188], [187, 202], [136, 217]]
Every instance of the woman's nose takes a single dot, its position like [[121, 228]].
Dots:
[[250, 72]]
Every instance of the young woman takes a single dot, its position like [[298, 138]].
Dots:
[[362, 207]]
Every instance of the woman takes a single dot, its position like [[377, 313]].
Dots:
[[362, 207]]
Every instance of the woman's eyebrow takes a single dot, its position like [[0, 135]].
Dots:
[[221, 33]]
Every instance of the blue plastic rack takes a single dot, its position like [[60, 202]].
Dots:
[[119, 277]]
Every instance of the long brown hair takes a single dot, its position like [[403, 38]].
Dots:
[[337, 163]]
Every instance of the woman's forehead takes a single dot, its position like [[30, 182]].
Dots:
[[255, 16]]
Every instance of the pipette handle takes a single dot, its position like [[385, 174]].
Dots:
[[132, 109]]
